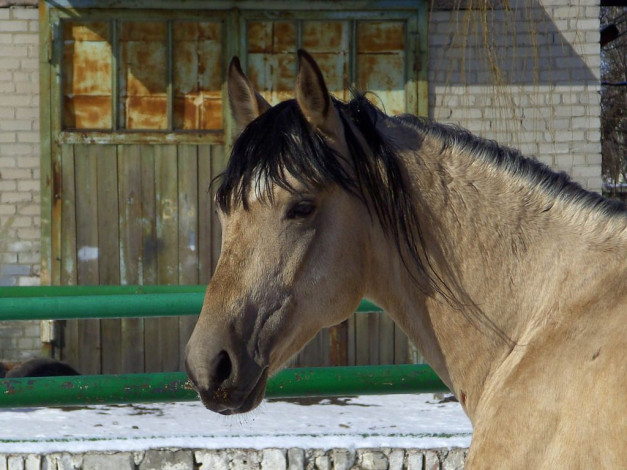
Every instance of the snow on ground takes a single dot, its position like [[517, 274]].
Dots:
[[404, 421]]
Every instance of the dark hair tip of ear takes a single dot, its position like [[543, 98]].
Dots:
[[235, 63]]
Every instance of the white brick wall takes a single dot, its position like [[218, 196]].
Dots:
[[542, 97], [19, 170], [19, 147]]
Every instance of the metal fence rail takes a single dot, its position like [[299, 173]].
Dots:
[[72, 302], [165, 387]]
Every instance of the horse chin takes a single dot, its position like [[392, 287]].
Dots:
[[230, 400]]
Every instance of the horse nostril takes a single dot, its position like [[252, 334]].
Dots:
[[223, 367]]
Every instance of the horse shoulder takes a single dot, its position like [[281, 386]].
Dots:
[[559, 403]]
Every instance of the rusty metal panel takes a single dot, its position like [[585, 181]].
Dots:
[[381, 62], [143, 75], [86, 75], [271, 65], [328, 42], [197, 75]]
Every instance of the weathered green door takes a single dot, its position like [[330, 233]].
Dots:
[[134, 131]]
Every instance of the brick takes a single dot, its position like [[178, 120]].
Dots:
[[245, 459], [108, 461], [29, 281], [432, 460], [28, 138], [16, 125], [26, 161], [273, 459], [32, 462], [213, 460], [163, 459], [28, 186], [12, 197], [14, 26], [9, 64], [25, 14], [396, 458], [16, 222], [28, 234], [8, 185], [15, 174], [295, 459], [26, 38], [415, 461], [14, 51]]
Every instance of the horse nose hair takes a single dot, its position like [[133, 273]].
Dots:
[[223, 367]]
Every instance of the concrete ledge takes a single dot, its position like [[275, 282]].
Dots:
[[244, 459]]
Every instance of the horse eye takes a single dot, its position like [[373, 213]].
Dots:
[[301, 210]]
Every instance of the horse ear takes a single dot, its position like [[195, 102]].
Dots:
[[313, 97], [246, 103]]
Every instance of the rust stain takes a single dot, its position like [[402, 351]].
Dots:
[[198, 111], [147, 31], [144, 68], [284, 73], [185, 74], [87, 68], [380, 36], [283, 37], [259, 36], [85, 31], [87, 112], [380, 71], [334, 68], [146, 112], [329, 36], [211, 114]]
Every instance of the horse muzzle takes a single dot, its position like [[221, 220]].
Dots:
[[226, 384]]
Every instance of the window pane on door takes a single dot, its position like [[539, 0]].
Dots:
[[143, 75], [197, 75], [86, 71]]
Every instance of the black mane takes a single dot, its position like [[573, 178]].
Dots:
[[558, 185]]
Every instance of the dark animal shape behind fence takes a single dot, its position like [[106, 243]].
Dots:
[[40, 367]]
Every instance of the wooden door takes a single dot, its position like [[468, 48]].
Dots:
[[134, 133]]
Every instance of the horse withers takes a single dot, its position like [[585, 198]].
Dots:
[[509, 278]]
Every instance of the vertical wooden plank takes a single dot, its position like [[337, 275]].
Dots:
[[206, 216], [166, 170], [108, 251], [149, 250], [219, 159], [352, 336], [68, 329], [130, 220], [188, 234], [386, 339], [401, 346], [86, 183]]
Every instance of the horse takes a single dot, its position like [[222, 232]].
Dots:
[[40, 367], [510, 278]]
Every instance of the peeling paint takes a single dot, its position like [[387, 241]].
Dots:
[[88, 253]]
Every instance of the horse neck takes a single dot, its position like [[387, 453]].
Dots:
[[501, 258]]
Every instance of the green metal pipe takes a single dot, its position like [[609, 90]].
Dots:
[[63, 303], [98, 306], [168, 387], [56, 291]]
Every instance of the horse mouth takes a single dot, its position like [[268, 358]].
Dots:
[[230, 400]]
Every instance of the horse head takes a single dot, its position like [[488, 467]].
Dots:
[[293, 256]]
